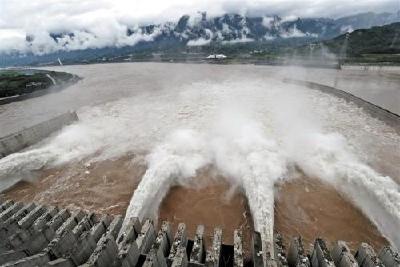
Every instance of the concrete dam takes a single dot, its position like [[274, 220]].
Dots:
[[36, 235]]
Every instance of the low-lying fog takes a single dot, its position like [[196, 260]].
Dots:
[[242, 120]]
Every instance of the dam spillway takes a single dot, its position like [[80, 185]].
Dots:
[[190, 110], [37, 235]]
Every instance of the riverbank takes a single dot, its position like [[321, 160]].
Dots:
[[22, 84]]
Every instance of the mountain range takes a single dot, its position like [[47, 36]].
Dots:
[[200, 30], [233, 28]]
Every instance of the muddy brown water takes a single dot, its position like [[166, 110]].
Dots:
[[304, 206], [104, 187], [213, 203], [307, 207]]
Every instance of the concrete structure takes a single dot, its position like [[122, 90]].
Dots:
[[297, 255], [375, 111], [280, 251], [35, 235], [321, 255], [17, 141], [213, 255], [216, 56], [197, 256], [366, 67], [342, 256]]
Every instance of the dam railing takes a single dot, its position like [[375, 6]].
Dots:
[[37, 235]]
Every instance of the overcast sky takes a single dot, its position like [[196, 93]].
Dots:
[[103, 22]]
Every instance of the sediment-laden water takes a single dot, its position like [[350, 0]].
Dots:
[[152, 129]]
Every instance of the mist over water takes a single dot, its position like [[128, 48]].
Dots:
[[252, 128]]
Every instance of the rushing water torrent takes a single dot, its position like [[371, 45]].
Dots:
[[243, 121]]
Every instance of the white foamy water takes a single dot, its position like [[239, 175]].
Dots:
[[247, 124]]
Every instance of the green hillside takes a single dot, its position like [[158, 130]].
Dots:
[[21, 82], [377, 44]]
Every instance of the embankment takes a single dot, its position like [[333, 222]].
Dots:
[[390, 118], [17, 141]]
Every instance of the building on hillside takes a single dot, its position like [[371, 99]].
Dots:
[[216, 56]]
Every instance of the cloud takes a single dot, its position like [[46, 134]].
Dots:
[[199, 42], [102, 23], [296, 33], [268, 22], [239, 40]]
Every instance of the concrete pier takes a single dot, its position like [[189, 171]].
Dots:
[[321, 256], [36, 235], [342, 256], [213, 255], [238, 248], [389, 257], [160, 248], [365, 256], [128, 248], [197, 255], [297, 255], [257, 250], [280, 252], [180, 240]]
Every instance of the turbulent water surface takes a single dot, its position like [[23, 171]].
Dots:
[[230, 133]]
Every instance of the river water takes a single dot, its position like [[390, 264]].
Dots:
[[231, 146]]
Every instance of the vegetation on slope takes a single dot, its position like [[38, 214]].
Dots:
[[21, 82], [377, 44]]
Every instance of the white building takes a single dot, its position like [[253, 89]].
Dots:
[[216, 56]]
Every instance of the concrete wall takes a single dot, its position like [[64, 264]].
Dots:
[[17, 141], [375, 111], [370, 67]]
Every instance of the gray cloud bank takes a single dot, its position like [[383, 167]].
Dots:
[[26, 26]]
